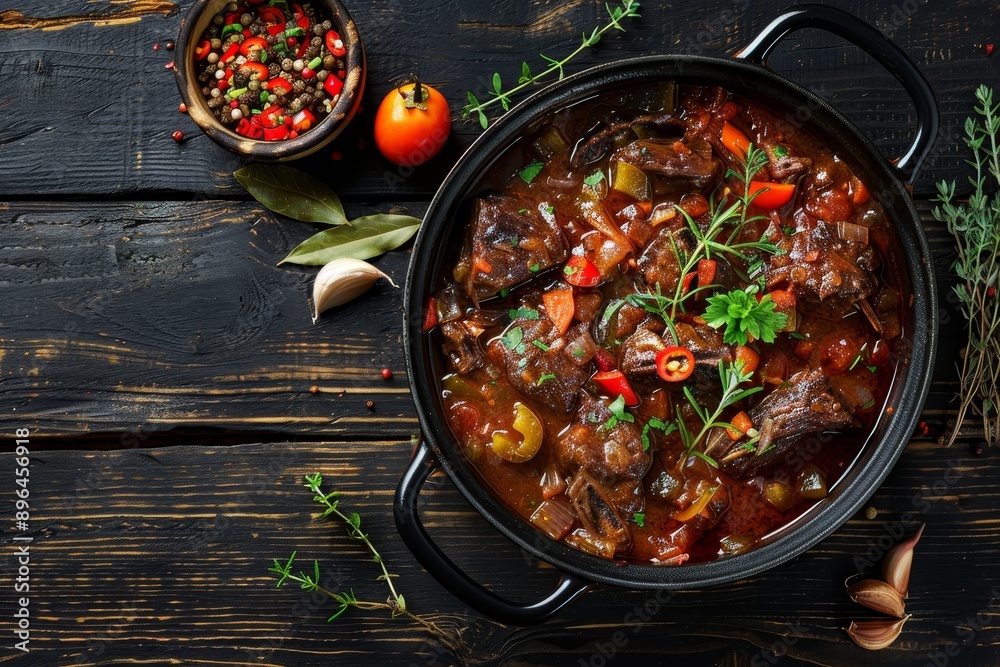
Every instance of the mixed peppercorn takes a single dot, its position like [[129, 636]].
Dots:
[[270, 72]]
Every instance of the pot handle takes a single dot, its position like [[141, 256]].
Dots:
[[875, 44], [449, 575]]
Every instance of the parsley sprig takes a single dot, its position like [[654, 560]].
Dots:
[[740, 315], [976, 228], [627, 9]]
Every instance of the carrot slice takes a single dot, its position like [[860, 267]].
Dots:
[[735, 140], [749, 357], [560, 306], [741, 424]]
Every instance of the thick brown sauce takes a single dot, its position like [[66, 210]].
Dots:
[[479, 402]]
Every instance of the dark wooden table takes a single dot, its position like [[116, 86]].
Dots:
[[163, 364]]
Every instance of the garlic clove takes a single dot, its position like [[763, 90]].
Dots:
[[877, 595], [342, 280], [876, 635], [897, 563]]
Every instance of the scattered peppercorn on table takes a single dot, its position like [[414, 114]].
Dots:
[[167, 392]]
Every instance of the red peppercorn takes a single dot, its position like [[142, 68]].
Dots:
[[386, 373], [235, 104], [923, 428], [370, 404], [169, 65], [989, 49], [307, 73], [991, 291], [169, 45], [183, 108], [156, 47], [178, 136]]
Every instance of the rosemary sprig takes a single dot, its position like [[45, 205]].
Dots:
[[732, 376], [627, 9], [395, 604], [976, 227]]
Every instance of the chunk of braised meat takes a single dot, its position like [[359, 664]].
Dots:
[[708, 349], [531, 353], [596, 146], [612, 457], [815, 259], [783, 166], [804, 405], [623, 322], [509, 242], [660, 263], [637, 355], [461, 345], [603, 529], [682, 484], [690, 160]]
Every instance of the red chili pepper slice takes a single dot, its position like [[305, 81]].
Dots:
[[243, 127], [279, 86], [332, 85], [332, 39], [604, 360], [202, 50], [271, 15], [272, 116], [230, 53], [431, 318], [675, 364], [276, 133], [579, 271], [297, 10], [303, 120], [706, 272], [688, 280], [260, 69], [252, 44], [616, 384]]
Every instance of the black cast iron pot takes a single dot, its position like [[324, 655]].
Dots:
[[747, 76]]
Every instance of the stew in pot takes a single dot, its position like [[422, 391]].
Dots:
[[670, 325]]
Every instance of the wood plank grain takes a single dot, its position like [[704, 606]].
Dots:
[[156, 556], [174, 315], [102, 95]]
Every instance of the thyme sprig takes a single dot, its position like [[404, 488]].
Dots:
[[732, 376], [395, 604], [627, 9], [976, 228]]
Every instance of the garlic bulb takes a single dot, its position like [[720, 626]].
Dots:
[[341, 281]]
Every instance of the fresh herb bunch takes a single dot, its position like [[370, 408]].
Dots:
[[727, 213], [627, 9], [976, 227], [395, 604]]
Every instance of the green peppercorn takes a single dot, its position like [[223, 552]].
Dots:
[[322, 74], [254, 84], [218, 19], [216, 43]]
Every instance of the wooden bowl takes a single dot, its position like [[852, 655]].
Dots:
[[310, 141]]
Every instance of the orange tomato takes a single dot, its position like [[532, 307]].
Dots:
[[410, 132]]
